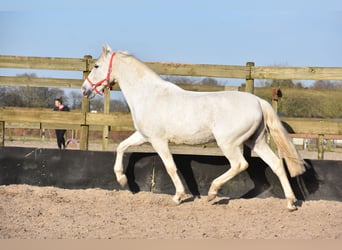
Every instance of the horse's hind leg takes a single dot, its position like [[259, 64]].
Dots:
[[134, 140], [237, 165], [163, 151], [276, 164]]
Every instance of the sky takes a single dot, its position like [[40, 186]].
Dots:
[[267, 32]]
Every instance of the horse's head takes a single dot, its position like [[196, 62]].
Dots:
[[100, 76]]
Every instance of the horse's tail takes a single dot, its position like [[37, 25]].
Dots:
[[281, 138]]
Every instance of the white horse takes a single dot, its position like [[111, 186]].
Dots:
[[162, 113]]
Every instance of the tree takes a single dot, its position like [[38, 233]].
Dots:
[[96, 104], [75, 99], [54, 93], [41, 97], [209, 81], [324, 84], [10, 98], [287, 83], [179, 79], [118, 106]]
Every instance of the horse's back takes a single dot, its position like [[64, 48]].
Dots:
[[193, 117], [230, 104]]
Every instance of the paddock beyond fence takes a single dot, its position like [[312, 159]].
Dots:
[[84, 119]]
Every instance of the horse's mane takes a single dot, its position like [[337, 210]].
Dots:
[[139, 63], [124, 53], [145, 69]]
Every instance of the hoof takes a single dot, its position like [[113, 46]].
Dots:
[[211, 197], [122, 181], [291, 208], [291, 204], [178, 198]]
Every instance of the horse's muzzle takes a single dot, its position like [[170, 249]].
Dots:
[[87, 92]]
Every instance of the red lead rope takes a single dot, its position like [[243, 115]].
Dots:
[[107, 79]]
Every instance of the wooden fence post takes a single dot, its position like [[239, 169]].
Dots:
[[84, 131], [106, 106], [320, 147], [274, 103], [2, 134], [249, 87], [249, 80]]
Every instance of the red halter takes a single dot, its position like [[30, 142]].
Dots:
[[107, 79]]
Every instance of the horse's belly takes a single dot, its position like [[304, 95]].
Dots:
[[192, 139]]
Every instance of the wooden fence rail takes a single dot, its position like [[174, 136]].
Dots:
[[162, 68], [120, 121]]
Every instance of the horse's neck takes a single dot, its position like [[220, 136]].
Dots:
[[139, 83]]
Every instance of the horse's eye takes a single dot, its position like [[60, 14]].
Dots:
[[96, 66]]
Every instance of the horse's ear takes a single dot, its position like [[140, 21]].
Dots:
[[104, 50], [109, 49]]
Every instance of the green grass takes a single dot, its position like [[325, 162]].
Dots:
[[306, 102]]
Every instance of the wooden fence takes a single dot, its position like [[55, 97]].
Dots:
[[121, 121]]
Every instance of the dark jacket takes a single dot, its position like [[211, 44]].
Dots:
[[65, 108]]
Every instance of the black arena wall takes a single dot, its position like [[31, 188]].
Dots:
[[74, 169]]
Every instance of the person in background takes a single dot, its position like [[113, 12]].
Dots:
[[60, 132]]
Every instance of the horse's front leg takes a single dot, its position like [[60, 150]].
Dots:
[[135, 139], [163, 151]]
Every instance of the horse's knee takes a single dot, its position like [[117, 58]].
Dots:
[[120, 149], [241, 166], [118, 167]]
